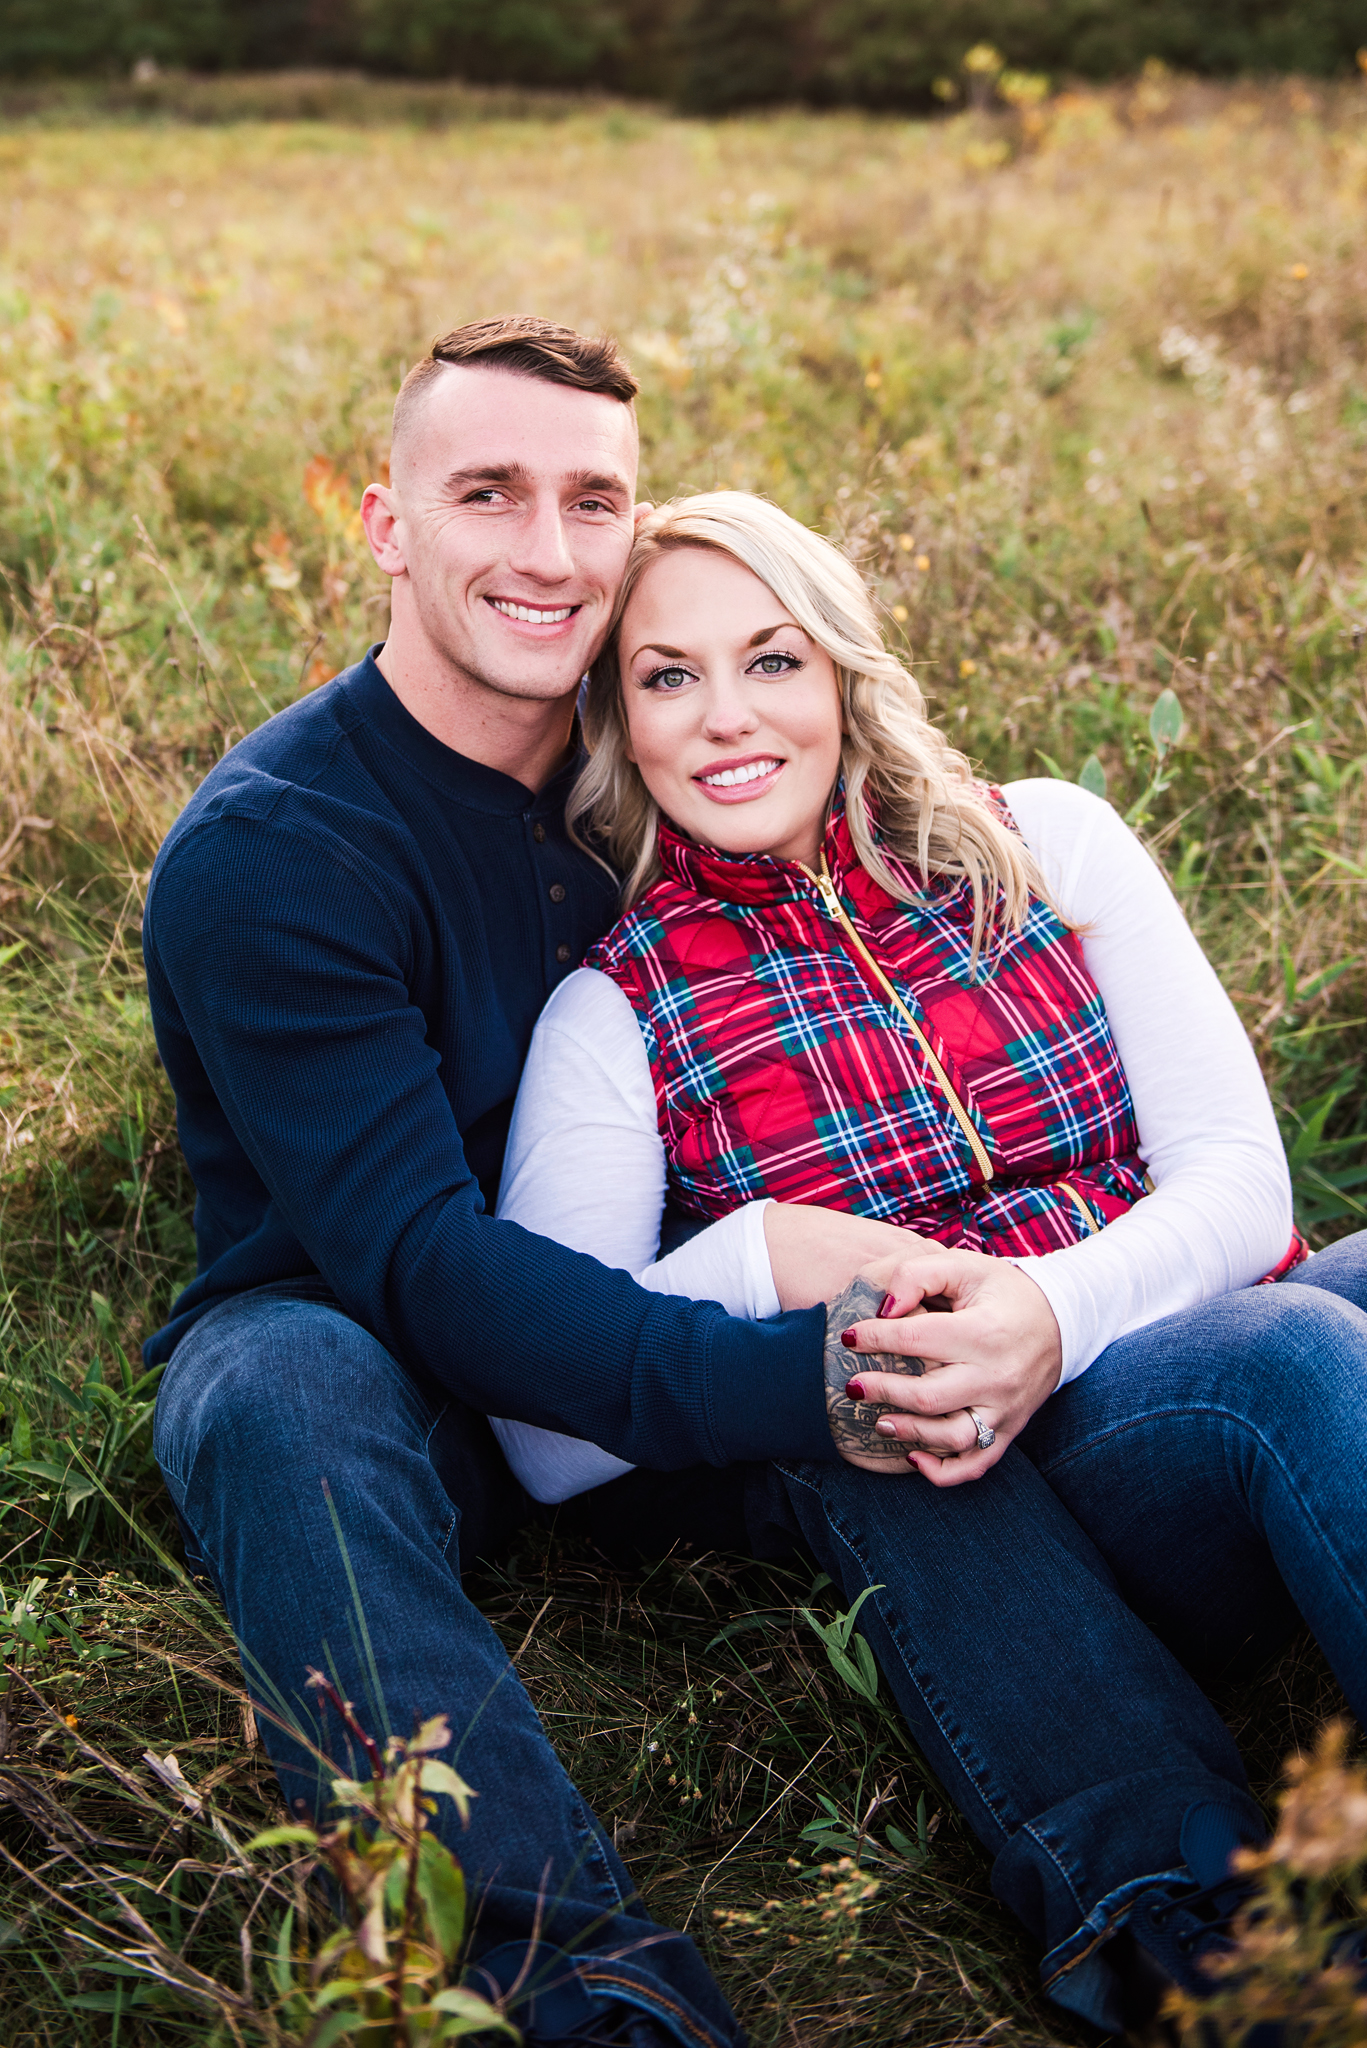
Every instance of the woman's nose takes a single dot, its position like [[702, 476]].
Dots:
[[727, 712]]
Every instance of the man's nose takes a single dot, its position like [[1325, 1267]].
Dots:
[[541, 549]]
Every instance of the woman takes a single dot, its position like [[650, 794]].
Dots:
[[875, 1018]]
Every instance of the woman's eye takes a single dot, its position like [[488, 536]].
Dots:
[[775, 664], [667, 679]]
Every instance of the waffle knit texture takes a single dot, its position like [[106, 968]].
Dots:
[[349, 935]]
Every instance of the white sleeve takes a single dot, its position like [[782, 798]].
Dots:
[[1220, 1215], [585, 1162], [585, 1165]]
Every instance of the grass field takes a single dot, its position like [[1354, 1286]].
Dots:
[[1083, 387]]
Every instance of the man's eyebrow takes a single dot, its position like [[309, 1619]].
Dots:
[[495, 473], [596, 480], [517, 473]]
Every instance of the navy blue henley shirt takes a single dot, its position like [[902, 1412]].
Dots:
[[349, 936]]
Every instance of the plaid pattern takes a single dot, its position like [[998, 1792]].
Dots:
[[781, 1069]]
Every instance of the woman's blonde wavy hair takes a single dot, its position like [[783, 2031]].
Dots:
[[930, 812]]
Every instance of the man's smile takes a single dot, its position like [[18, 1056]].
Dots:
[[531, 615]]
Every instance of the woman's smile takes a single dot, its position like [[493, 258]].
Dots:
[[740, 782], [733, 713]]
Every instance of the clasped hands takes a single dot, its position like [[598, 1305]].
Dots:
[[900, 1380]]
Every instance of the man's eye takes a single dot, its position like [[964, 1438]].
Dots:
[[775, 664], [483, 497], [667, 679], [594, 505]]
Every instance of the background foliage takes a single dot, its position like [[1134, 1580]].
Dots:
[[1081, 384], [707, 54]]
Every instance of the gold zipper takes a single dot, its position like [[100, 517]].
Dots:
[[1088, 1215], [827, 890]]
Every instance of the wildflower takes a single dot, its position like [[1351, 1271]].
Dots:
[[873, 380], [899, 612], [967, 668], [905, 542], [923, 563], [1323, 1821], [70, 1721]]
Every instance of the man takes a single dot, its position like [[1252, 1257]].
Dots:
[[349, 935]]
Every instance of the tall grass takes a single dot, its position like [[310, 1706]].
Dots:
[[1083, 389]]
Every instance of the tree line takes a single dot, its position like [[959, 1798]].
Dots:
[[705, 56]]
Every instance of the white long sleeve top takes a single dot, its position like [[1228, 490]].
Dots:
[[585, 1161]]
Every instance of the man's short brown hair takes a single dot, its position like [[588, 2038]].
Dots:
[[531, 348]]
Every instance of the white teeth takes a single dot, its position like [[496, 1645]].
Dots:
[[727, 778], [522, 611]]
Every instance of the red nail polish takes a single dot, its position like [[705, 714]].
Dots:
[[849, 1340], [889, 1304], [854, 1390]]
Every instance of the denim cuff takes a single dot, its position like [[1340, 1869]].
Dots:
[[556, 1995], [1076, 1974]]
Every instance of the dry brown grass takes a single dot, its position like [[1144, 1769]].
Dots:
[[1088, 400]]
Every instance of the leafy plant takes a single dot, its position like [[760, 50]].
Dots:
[[850, 1656], [384, 1974]]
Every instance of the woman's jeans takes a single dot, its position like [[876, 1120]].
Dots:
[[1178, 1505]]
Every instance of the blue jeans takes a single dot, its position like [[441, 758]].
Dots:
[[1176, 1502]]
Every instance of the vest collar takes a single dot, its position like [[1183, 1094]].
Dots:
[[756, 878]]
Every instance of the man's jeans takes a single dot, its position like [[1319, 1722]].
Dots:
[[1181, 1500]]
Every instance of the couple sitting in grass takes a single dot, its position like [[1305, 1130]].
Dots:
[[640, 1079]]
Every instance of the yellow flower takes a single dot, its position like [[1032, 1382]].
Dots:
[[923, 562], [899, 612], [873, 380], [71, 1721], [905, 543], [1299, 271], [967, 667]]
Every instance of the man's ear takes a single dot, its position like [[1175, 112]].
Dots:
[[380, 518], [641, 510]]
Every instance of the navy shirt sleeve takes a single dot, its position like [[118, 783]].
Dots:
[[280, 967]]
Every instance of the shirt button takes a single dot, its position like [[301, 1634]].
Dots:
[[538, 833], [562, 953], [557, 892]]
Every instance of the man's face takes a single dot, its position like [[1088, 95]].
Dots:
[[511, 506]]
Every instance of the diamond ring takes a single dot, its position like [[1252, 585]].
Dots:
[[987, 1436]]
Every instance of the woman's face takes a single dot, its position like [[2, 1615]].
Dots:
[[733, 715]]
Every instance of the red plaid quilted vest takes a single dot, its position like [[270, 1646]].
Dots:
[[814, 1040]]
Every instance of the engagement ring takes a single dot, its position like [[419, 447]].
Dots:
[[987, 1436]]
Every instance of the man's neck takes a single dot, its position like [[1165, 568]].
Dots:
[[526, 738]]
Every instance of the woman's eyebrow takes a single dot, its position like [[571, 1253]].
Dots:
[[768, 632], [672, 653]]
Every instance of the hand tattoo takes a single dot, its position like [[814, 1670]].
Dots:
[[852, 1422]]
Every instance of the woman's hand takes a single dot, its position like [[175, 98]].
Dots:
[[998, 1352], [815, 1253]]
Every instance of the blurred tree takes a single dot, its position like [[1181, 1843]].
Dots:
[[711, 55], [743, 53], [527, 42], [38, 40]]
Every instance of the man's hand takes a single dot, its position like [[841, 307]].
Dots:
[[910, 1378]]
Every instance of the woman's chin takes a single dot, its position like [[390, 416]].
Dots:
[[728, 829]]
